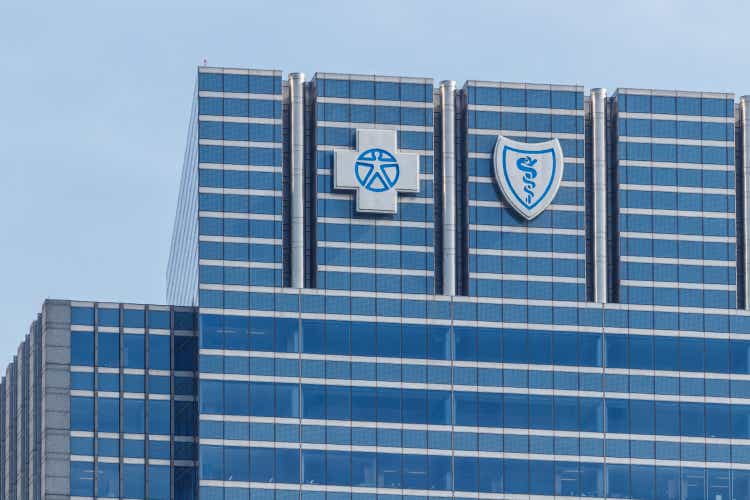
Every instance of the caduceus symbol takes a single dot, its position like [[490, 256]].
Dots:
[[526, 165]]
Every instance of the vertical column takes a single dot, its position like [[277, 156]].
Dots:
[[56, 400], [599, 163], [297, 161], [448, 105], [745, 122]]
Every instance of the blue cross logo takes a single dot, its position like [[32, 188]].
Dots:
[[377, 170]]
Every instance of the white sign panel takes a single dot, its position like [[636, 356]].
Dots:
[[377, 171]]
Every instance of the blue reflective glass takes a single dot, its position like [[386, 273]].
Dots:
[[82, 348]]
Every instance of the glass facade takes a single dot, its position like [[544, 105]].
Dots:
[[132, 401], [675, 164], [355, 251], [369, 382], [509, 256]]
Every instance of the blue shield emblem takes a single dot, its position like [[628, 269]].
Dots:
[[529, 174]]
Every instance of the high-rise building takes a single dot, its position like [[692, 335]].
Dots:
[[381, 288]]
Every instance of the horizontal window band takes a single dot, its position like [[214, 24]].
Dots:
[[381, 491], [134, 331], [239, 95], [327, 172], [549, 231], [677, 285], [240, 264], [524, 110], [320, 76], [240, 144], [456, 322], [507, 455], [374, 102], [273, 193], [485, 365], [678, 261], [239, 239], [375, 222], [421, 152], [142, 371], [527, 134], [502, 204], [523, 86], [526, 253], [375, 270], [240, 168], [677, 142], [463, 299], [490, 156], [675, 93], [526, 277], [344, 196], [127, 460], [375, 246], [677, 213], [241, 216], [491, 180], [219, 377], [130, 395], [675, 189], [678, 118], [499, 431], [81, 369], [239, 119], [678, 237], [134, 437], [239, 71], [379, 126], [676, 165]]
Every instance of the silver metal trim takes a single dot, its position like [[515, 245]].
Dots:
[[448, 106], [598, 160], [297, 161], [745, 122]]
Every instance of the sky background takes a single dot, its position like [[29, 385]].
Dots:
[[94, 103]]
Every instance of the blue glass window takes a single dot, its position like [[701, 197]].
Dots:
[[82, 316], [158, 319], [108, 348], [82, 348], [82, 479], [159, 352], [133, 351]]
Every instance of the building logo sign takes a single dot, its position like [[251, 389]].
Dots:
[[377, 171], [529, 175]]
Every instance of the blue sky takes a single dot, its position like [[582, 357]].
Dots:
[[94, 103]]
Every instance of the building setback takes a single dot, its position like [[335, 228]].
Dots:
[[386, 288]]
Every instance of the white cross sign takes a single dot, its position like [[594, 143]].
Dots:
[[377, 171]]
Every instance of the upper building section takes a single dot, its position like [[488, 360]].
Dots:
[[374, 214], [510, 255], [676, 198], [504, 191]]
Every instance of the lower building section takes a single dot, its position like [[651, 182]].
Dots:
[[100, 403], [396, 396]]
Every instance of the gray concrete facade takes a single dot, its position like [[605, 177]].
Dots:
[[35, 411], [55, 401]]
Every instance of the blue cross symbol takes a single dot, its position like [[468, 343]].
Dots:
[[377, 171]]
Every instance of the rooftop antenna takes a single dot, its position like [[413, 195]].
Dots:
[[205, 61]]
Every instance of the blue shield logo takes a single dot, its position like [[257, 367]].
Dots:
[[529, 174]]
